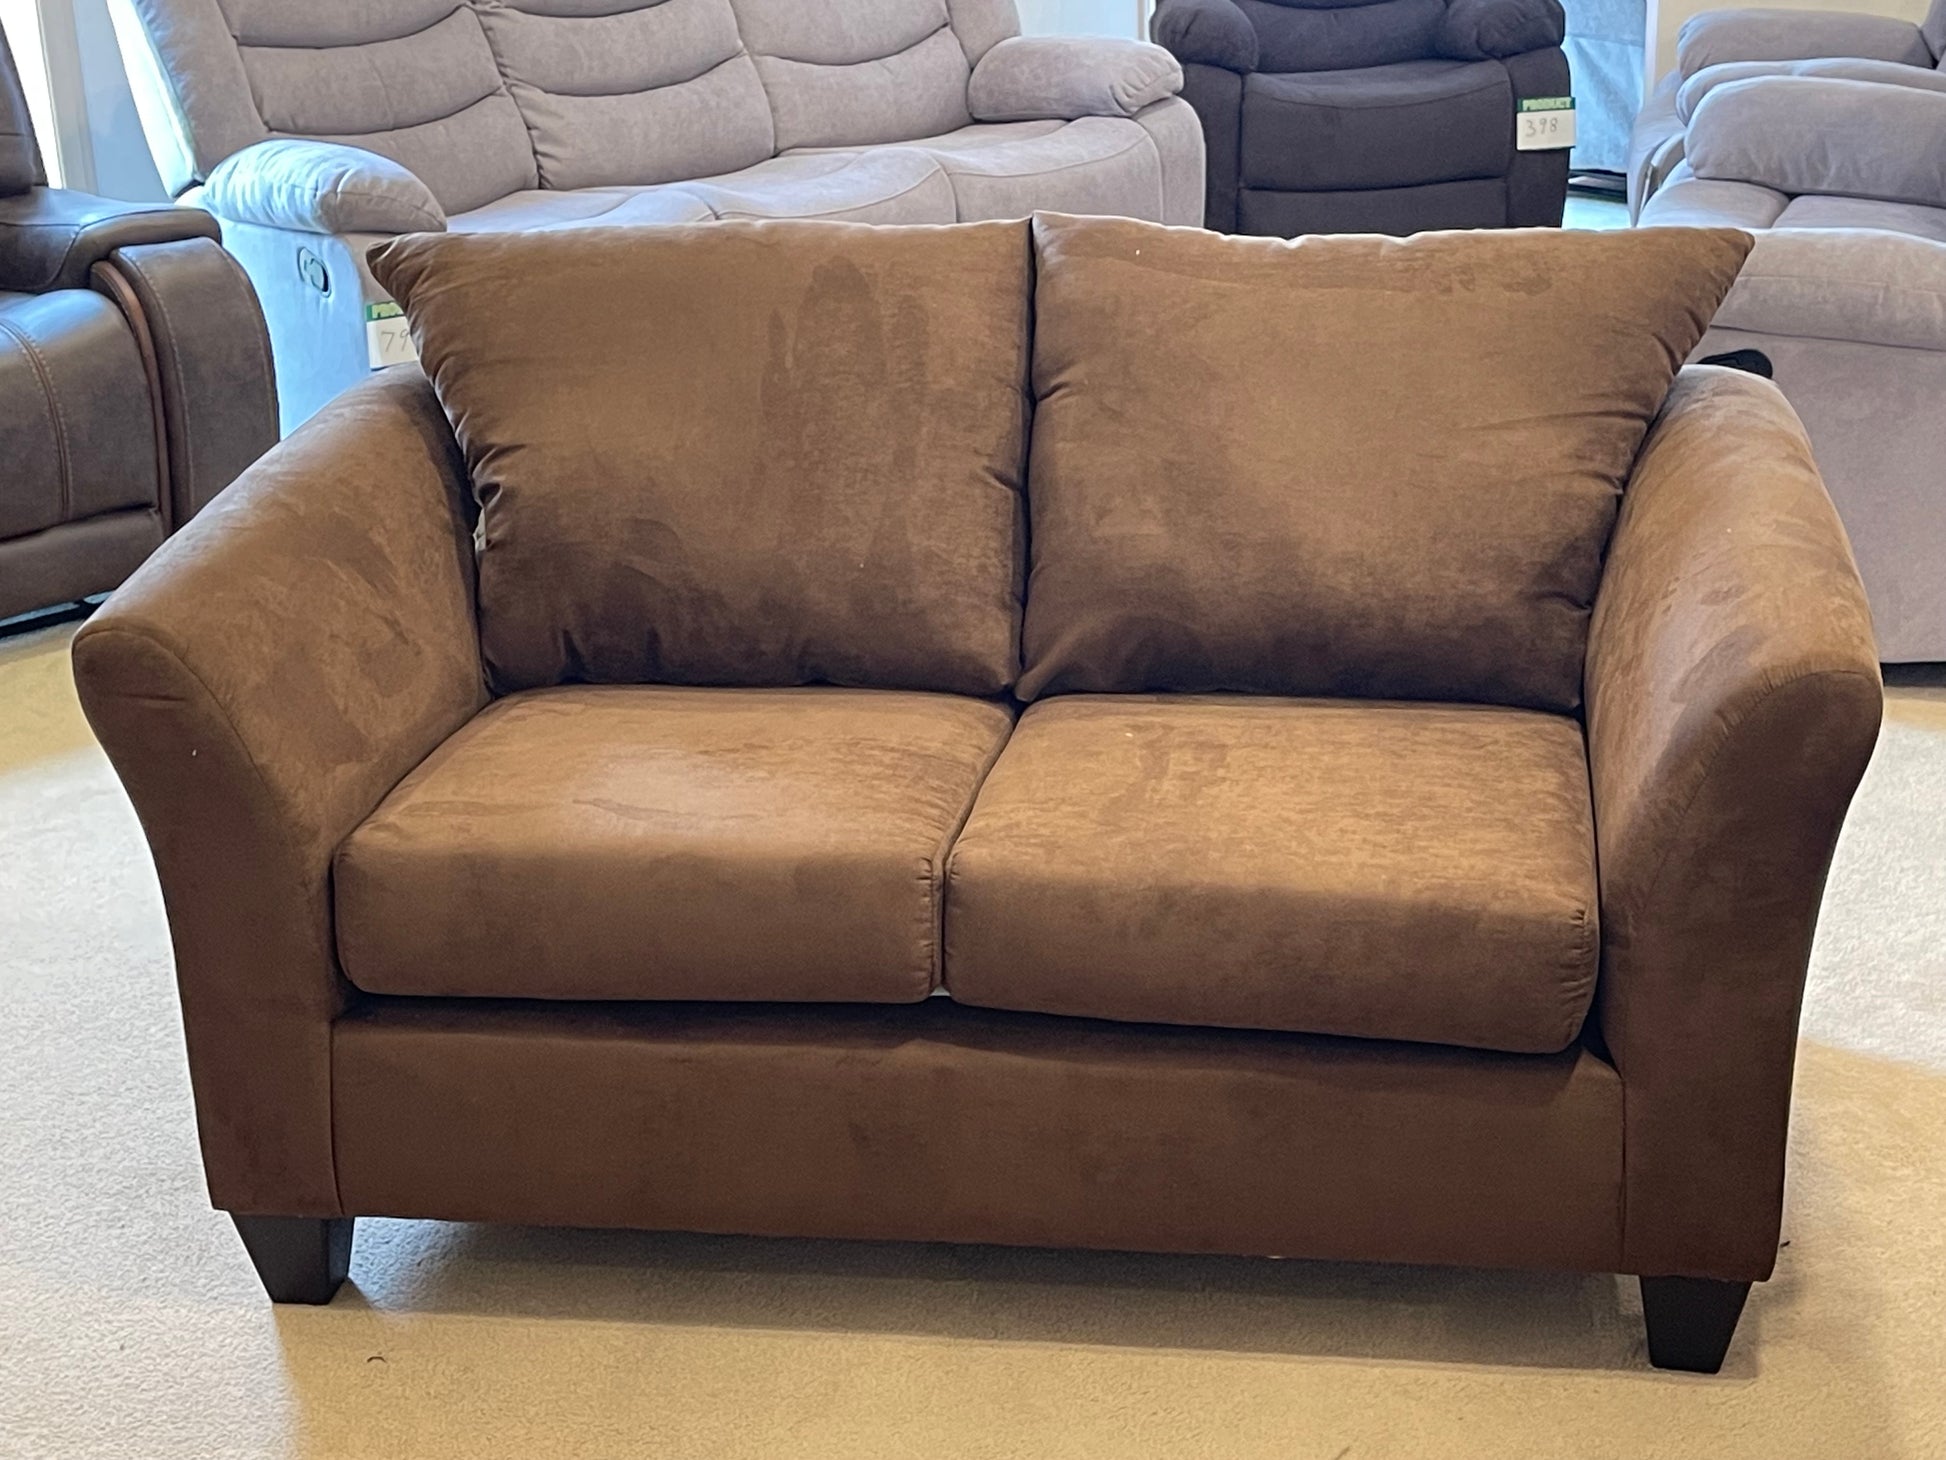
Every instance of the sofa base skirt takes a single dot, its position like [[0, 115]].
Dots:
[[934, 1122]]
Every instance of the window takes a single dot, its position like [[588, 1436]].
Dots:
[[22, 21]]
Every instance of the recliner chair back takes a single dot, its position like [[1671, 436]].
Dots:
[[1331, 35]]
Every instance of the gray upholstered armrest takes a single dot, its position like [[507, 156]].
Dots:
[[321, 187], [1841, 68], [1801, 134], [1486, 30], [1717, 36], [1205, 32], [1027, 78], [51, 237]]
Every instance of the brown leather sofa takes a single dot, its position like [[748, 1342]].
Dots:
[[135, 375], [693, 766]]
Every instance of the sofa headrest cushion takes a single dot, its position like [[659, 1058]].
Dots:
[[737, 453], [1345, 465]]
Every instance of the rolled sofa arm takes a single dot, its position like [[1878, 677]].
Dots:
[[321, 187], [50, 238], [1032, 78], [1717, 36], [1801, 134], [1839, 68], [1205, 32], [1733, 701], [1493, 30], [259, 685]]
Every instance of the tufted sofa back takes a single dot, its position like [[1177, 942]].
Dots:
[[1337, 35], [482, 98]]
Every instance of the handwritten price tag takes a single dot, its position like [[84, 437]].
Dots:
[[388, 339], [1544, 123]]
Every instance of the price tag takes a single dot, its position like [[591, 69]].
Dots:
[[1544, 123], [388, 340]]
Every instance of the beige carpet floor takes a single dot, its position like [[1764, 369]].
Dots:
[[131, 1325]]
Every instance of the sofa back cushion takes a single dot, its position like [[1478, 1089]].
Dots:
[[615, 92], [1345, 465], [737, 453], [412, 80], [843, 73], [1341, 35]]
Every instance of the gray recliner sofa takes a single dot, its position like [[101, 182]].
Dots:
[[1824, 133], [314, 131]]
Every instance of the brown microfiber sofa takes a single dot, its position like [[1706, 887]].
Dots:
[[1076, 733]]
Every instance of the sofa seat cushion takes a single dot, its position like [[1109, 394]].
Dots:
[[540, 208], [1093, 165], [1818, 210], [880, 186], [660, 843], [1393, 871], [1380, 127]]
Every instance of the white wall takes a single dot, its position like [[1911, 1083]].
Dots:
[[1666, 18]]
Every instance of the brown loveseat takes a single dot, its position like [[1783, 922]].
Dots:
[[693, 765]]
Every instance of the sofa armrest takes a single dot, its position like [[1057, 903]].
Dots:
[[1717, 36], [1493, 30], [1205, 32], [1733, 701], [1799, 134], [260, 684], [1031, 78], [1839, 68], [321, 187], [51, 237]]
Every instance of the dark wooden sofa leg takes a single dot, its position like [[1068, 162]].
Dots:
[[299, 1259], [1690, 1321]]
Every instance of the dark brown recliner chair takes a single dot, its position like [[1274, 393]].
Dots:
[[1343, 116], [135, 375]]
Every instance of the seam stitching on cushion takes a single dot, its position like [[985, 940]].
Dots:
[[711, 69], [51, 403], [925, 39], [942, 858]]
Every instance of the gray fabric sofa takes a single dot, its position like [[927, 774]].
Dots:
[[314, 131], [1825, 134], [135, 379]]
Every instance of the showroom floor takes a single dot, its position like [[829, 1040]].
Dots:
[[131, 1325]]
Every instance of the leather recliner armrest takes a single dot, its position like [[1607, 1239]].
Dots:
[[1031, 78], [51, 237], [1205, 32], [1732, 701]]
